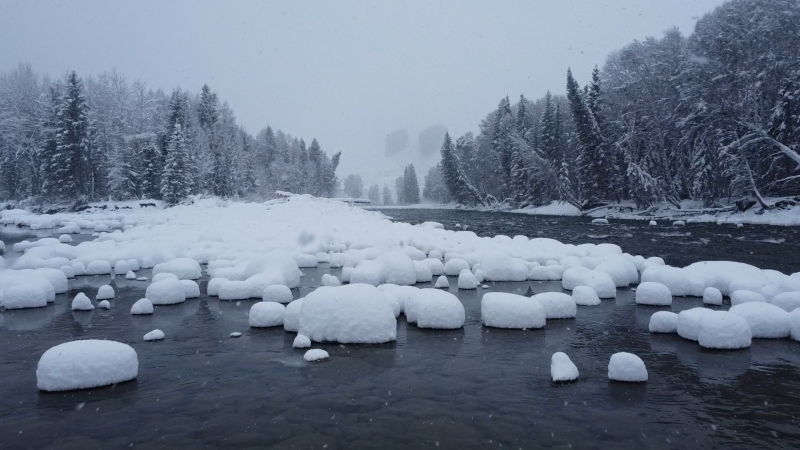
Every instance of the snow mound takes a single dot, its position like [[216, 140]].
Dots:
[[652, 293], [315, 355], [82, 303], [56, 277], [424, 272], [585, 296], [235, 290], [688, 322], [155, 335], [601, 282], [546, 273], [104, 304], [190, 288], [163, 276], [723, 330], [398, 296], [436, 266], [121, 268], [397, 268], [213, 286], [454, 266], [498, 266], [466, 280], [442, 283], [86, 364], [571, 277], [356, 313], [267, 314], [742, 296], [330, 280], [681, 282], [562, 368], [142, 306], [502, 310], [557, 305], [788, 301], [20, 296], [183, 268], [291, 317], [105, 292], [166, 292], [301, 341], [664, 322], [712, 296], [130, 275], [98, 267], [277, 293], [794, 321], [765, 319], [628, 367], [439, 309]]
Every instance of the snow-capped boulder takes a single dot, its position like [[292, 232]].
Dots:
[[190, 288], [266, 314], [467, 280], [291, 316], [741, 296], [424, 272], [121, 267], [712, 296], [601, 282], [681, 282], [397, 268], [585, 296], [357, 313], [24, 295], [105, 292], [546, 273], [442, 283], [82, 303], [562, 368], [104, 305], [86, 364], [301, 341], [166, 292], [142, 306], [628, 367], [183, 268], [788, 301], [163, 276], [155, 335], [213, 286], [130, 275], [398, 296], [765, 319], [277, 293], [723, 330], [557, 305], [329, 280], [438, 309], [98, 267], [571, 277], [368, 272], [498, 266], [652, 293], [454, 266], [688, 322], [436, 266], [235, 290], [663, 322], [315, 355], [502, 310], [56, 277]]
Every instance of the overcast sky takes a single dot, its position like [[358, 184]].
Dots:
[[346, 72]]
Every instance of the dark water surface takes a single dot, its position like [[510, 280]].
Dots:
[[471, 388]]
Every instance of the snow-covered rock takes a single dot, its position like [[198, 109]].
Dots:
[[155, 335], [183, 268], [397, 268], [163, 276], [712, 296], [266, 314], [291, 316], [788, 301], [142, 306], [546, 273], [557, 305], [681, 282], [235, 290], [628, 367], [56, 277], [301, 341], [190, 288], [601, 282], [436, 266], [65, 239], [104, 305], [356, 313], [105, 292], [212, 288], [454, 266], [741, 296], [723, 330], [130, 275], [121, 267], [86, 364], [467, 280], [502, 310], [397, 296], [442, 282], [652, 293], [562, 368], [497, 266], [663, 322], [315, 355], [765, 319], [329, 280], [24, 295], [98, 267], [794, 323], [277, 293], [688, 322], [585, 296], [424, 272], [439, 309], [166, 292], [571, 277], [82, 303]]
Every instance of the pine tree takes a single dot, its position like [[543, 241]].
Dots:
[[207, 114], [399, 189], [151, 175], [410, 185], [70, 174], [522, 116], [519, 177], [374, 194], [592, 159], [387, 196], [316, 169], [457, 184], [48, 154], [176, 181], [502, 128]]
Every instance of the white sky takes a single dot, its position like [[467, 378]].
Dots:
[[346, 72]]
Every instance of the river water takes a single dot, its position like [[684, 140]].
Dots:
[[471, 388]]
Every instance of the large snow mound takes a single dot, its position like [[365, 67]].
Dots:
[[557, 305], [502, 310], [166, 292], [654, 294], [86, 364], [723, 330], [266, 314], [765, 319], [663, 322], [183, 268], [688, 322], [438, 309], [356, 313], [626, 367]]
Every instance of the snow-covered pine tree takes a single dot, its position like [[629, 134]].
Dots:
[[176, 180], [49, 156], [387, 196], [456, 182], [591, 159], [152, 164], [411, 185], [316, 169], [71, 174], [399, 190], [502, 127], [374, 194]]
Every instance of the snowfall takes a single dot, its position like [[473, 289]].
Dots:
[[258, 250]]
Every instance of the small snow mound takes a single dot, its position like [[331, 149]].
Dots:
[[664, 322], [130, 275], [466, 280], [98, 267], [190, 288], [503, 310], [788, 301], [654, 294], [213, 286], [330, 280], [236, 334], [104, 305], [21, 296], [723, 330], [65, 239], [562, 368], [291, 317], [277, 293], [600, 222], [442, 283], [82, 303], [455, 266], [679, 223], [121, 268], [628, 367], [155, 335], [183, 268], [142, 306], [86, 364], [653, 223], [164, 276], [439, 309], [266, 314], [557, 305], [105, 292], [301, 341], [315, 355], [742, 296], [765, 319], [166, 292], [585, 296], [712, 296]]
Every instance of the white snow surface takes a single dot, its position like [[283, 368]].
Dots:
[[436, 308], [355, 313], [86, 364], [723, 330], [557, 305], [503, 310], [625, 366], [765, 319], [562, 368], [654, 294], [741, 296], [585, 296], [266, 314], [788, 301]]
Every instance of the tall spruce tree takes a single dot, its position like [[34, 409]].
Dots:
[[176, 181], [454, 178], [410, 185], [70, 166]]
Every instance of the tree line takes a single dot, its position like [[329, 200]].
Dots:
[[406, 188], [76, 139], [713, 117]]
